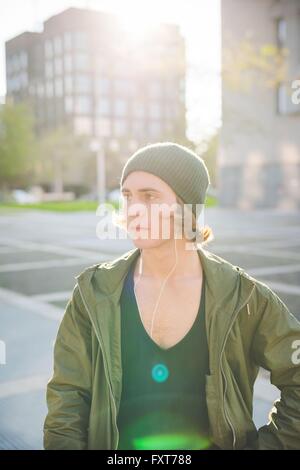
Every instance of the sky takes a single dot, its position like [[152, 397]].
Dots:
[[199, 21]]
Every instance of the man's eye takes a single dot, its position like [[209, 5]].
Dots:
[[150, 196]]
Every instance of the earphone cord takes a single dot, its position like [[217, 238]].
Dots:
[[162, 286]]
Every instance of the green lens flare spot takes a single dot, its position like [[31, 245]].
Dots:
[[172, 441], [160, 373]]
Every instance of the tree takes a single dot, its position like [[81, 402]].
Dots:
[[247, 64], [17, 145], [249, 69], [61, 157]]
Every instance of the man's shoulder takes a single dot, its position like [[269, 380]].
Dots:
[[263, 290], [105, 264]]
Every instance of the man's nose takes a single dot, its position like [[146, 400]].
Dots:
[[136, 209]]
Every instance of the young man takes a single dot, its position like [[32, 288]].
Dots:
[[160, 348]]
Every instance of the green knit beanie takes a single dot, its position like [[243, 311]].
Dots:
[[182, 169]]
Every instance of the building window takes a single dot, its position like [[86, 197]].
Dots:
[[80, 40], [23, 59], [103, 85], [103, 107], [120, 107], [281, 32], [120, 127], [172, 110], [101, 63], [103, 127], [40, 90], [154, 129], [138, 128], [81, 61], [58, 45], [59, 91], [19, 81], [12, 84], [9, 67], [83, 84], [172, 88], [69, 104], [48, 49], [58, 65], [23, 80], [123, 86], [155, 89], [281, 99], [68, 63], [138, 109], [16, 63], [68, 41], [155, 110], [49, 69], [83, 105], [31, 89], [120, 65], [68, 79], [49, 89]]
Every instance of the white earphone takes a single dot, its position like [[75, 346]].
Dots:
[[141, 264], [162, 287]]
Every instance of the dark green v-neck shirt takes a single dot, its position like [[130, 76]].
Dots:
[[163, 403]]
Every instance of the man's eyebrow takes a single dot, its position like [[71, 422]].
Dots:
[[141, 190]]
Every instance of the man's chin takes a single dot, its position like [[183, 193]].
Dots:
[[140, 242]]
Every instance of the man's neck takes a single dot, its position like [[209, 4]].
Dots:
[[158, 261]]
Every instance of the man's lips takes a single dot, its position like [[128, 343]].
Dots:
[[136, 227]]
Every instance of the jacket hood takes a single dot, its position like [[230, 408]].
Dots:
[[106, 279]]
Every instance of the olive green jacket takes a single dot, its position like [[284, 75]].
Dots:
[[247, 326]]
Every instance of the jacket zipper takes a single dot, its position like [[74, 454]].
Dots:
[[105, 367], [222, 370]]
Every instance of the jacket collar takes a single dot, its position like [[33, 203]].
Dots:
[[227, 288]]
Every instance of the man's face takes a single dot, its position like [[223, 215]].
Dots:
[[147, 204]]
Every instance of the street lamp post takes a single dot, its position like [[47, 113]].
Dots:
[[97, 148]]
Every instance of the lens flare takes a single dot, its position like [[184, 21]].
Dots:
[[160, 373]]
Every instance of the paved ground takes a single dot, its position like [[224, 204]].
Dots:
[[40, 253]]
